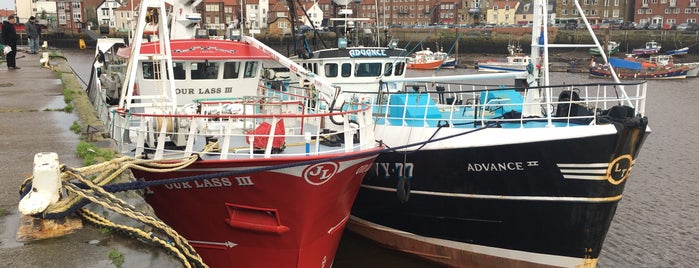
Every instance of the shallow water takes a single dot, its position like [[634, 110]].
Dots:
[[657, 221]]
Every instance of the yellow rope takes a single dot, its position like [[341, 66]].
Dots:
[[127, 210], [103, 222], [106, 172]]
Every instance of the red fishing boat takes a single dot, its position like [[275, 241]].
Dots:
[[425, 60], [261, 181]]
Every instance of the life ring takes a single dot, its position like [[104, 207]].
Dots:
[[403, 189], [421, 61]]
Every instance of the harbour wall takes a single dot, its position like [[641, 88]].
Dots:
[[470, 40]]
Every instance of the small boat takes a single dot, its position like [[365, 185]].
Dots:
[[693, 68], [447, 61], [633, 69], [612, 48], [650, 48], [515, 62], [667, 61], [678, 52], [261, 181], [425, 60]]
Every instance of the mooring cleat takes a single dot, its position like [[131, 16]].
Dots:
[[46, 185]]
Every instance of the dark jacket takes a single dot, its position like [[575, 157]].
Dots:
[[9, 35], [32, 30]]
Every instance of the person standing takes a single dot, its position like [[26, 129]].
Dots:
[[33, 33], [10, 37]]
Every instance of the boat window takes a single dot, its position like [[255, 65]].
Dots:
[[400, 68], [150, 70], [388, 69], [315, 68], [178, 70], [346, 69], [250, 69], [331, 70], [367, 69], [231, 70], [204, 70]]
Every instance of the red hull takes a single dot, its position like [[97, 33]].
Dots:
[[292, 217], [430, 65]]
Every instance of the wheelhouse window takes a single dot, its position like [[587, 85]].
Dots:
[[388, 69], [400, 68], [368, 69], [204, 70], [330, 70], [178, 70], [250, 68], [150, 70], [231, 70], [346, 70]]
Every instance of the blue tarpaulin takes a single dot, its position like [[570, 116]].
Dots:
[[621, 63]]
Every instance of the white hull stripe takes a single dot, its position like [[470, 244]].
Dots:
[[505, 197], [344, 165], [546, 259], [592, 171]]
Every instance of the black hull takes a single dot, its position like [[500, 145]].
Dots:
[[530, 200]]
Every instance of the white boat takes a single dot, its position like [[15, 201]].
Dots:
[[514, 62], [425, 60]]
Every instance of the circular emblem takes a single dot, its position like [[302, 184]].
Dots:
[[619, 169], [320, 173]]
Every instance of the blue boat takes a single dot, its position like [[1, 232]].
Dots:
[[678, 52]]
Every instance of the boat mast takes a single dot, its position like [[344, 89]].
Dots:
[[161, 59]]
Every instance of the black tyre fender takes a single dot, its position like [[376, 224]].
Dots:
[[403, 189]]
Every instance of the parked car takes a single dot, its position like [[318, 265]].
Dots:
[[669, 26], [683, 26], [641, 26], [654, 26], [629, 25]]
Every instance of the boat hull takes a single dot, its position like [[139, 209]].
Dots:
[[520, 204], [490, 67], [596, 51], [449, 63], [675, 73], [429, 65], [292, 217]]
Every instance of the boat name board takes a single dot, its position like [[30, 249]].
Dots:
[[502, 166], [367, 52], [213, 90], [209, 183]]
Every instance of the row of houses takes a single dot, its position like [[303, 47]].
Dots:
[[71, 15]]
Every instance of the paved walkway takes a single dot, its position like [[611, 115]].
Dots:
[[32, 121]]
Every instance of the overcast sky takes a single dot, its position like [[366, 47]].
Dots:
[[7, 4]]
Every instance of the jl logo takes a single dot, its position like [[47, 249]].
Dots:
[[320, 173]]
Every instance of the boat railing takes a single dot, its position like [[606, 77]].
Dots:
[[243, 128], [458, 105]]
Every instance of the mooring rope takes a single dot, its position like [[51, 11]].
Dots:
[[98, 190]]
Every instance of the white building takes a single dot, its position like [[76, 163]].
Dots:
[[315, 13], [256, 14], [105, 13]]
